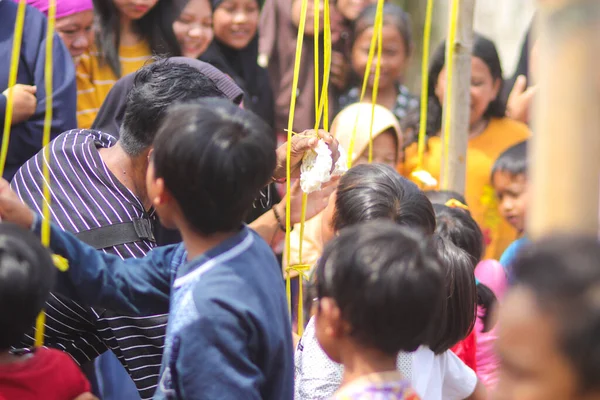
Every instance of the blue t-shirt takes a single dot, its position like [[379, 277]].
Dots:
[[509, 255], [229, 333]]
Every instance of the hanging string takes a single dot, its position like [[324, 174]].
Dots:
[[12, 81], [424, 84], [379, 32], [449, 89], [374, 42]]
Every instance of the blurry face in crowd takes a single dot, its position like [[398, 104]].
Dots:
[[134, 9], [76, 32], [394, 58], [235, 22], [511, 191], [532, 365], [384, 151], [193, 28], [350, 9], [484, 88]]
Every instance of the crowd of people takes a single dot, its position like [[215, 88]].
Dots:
[[167, 168]]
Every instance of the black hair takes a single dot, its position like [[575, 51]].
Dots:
[[513, 160], [392, 14], [376, 191], [156, 27], [156, 87], [460, 311], [443, 196], [563, 274], [484, 49], [214, 158], [387, 283], [26, 278], [462, 230]]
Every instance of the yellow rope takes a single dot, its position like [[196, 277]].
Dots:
[[12, 81], [379, 33], [424, 84], [449, 88], [374, 41]]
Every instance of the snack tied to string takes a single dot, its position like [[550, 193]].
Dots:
[[316, 167]]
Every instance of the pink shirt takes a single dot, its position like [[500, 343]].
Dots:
[[491, 274]]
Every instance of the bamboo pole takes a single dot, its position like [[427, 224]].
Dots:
[[453, 169], [565, 150]]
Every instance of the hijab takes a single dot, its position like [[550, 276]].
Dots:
[[64, 8], [112, 111], [344, 123]]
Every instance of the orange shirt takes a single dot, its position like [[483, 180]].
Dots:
[[482, 152]]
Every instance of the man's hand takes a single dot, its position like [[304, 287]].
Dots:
[[302, 143], [24, 101], [520, 99], [12, 209]]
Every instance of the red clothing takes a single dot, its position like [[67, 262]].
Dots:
[[47, 374], [466, 350]]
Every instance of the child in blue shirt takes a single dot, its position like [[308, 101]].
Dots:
[[229, 334], [509, 179]]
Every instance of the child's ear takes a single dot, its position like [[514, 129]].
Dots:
[[161, 194], [330, 313]]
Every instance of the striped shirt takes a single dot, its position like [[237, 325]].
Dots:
[[86, 195], [95, 78]]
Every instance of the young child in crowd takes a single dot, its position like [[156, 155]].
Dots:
[[548, 341], [29, 93], [372, 279], [26, 277], [490, 133], [375, 192], [509, 179], [229, 334], [129, 34], [477, 349], [395, 57], [387, 148]]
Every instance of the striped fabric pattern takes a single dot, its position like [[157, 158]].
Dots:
[[95, 78], [86, 195]]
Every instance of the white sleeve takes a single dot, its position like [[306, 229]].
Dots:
[[459, 380], [316, 376]]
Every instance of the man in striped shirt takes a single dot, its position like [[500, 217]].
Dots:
[[98, 182]]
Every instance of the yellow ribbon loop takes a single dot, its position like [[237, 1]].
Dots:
[[453, 203], [12, 81], [301, 269]]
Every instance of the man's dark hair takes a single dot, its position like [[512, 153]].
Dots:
[[156, 87], [376, 191], [460, 311], [513, 160], [214, 158], [563, 273], [387, 282], [26, 278]]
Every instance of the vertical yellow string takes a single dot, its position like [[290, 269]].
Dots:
[[424, 84], [449, 89], [48, 74], [288, 225], [12, 81], [379, 32], [378, 16]]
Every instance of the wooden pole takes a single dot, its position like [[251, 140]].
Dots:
[[453, 169], [565, 148]]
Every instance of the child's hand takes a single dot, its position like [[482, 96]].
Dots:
[[520, 100], [86, 396], [302, 143], [24, 101], [340, 70], [12, 209]]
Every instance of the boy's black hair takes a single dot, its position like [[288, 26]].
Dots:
[[391, 13], [26, 278], [462, 230], [387, 283], [214, 158], [513, 160], [157, 87], [376, 191], [460, 312], [563, 274]]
